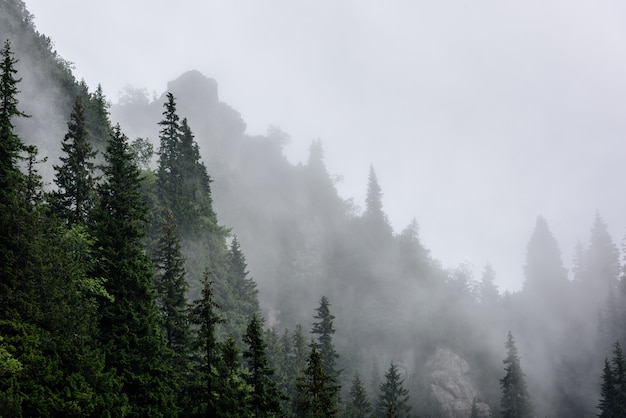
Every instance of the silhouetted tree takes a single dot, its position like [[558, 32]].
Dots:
[[317, 390], [358, 405], [75, 177], [613, 389], [204, 315], [515, 402], [324, 331], [265, 399], [393, 400]]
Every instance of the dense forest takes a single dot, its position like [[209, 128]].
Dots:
[[157, 261]]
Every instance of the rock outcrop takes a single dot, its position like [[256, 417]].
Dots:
[[450, 382]]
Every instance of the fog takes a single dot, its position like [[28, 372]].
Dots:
[[497, 128], [477, 116]]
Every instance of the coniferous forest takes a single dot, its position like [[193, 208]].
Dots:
[[156, 261]]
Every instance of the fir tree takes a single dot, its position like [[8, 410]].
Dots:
[[129, 326], [265, 396], [515, 402], [317, 391], [324, 331], [76, 182], [613, 389], [204, 315], [170, 285], [393, 400], [234, 393], [377, 223], [358, 405]]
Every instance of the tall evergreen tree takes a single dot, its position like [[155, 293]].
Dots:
[[546, 277], [376, 220], [358, 405], [393, 401], [170, 285], [234, 393], [265, 400], [183, 184], [324, 330], [241, 303], [515, 401], [317, 391], [204, 315], [75, 178], [613, 389], [129, 326]]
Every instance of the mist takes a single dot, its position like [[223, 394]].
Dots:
[[444, 174]]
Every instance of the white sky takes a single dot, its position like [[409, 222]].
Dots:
[[477, 115]]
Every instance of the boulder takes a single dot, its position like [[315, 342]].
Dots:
[[449, 380]]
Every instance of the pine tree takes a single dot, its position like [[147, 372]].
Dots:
[[515, 402], [317, 391], [241, 303], [489, 294], [129, 326], [182, 181], [358, 405], [546, 277], [265, 400], [324, 331], [204, 315], [393, 401], [170, 285], [234, 393], [76, 182], [613, 389], [376, 220]]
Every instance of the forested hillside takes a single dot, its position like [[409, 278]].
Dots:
[[156, 260]]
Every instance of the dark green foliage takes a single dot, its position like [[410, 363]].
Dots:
[[515, 402], [317, 391], [265, 399], [182, 181], [170, 285], [358, 404], [204, 315], [233, 393], [76, 182], [613, 389], [324, 331], [239, 293], [129, 325], [393, 399]]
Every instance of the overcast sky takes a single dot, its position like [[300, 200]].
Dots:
[[477, 115]]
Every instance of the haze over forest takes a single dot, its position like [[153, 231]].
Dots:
[[194, 262], [477, 117]]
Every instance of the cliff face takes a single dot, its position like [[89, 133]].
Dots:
[[450, 383]]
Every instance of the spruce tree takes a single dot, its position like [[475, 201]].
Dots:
[[205, 317], [376, 222], [613, 389], [76, 182], [358, 405], [129, 325], [317, 391], [393, 400], [170, 285], [265, 401], [241, 302], [324, 331], [234, 393], [515, 402]]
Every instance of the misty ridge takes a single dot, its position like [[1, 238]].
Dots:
[[250, 277]]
